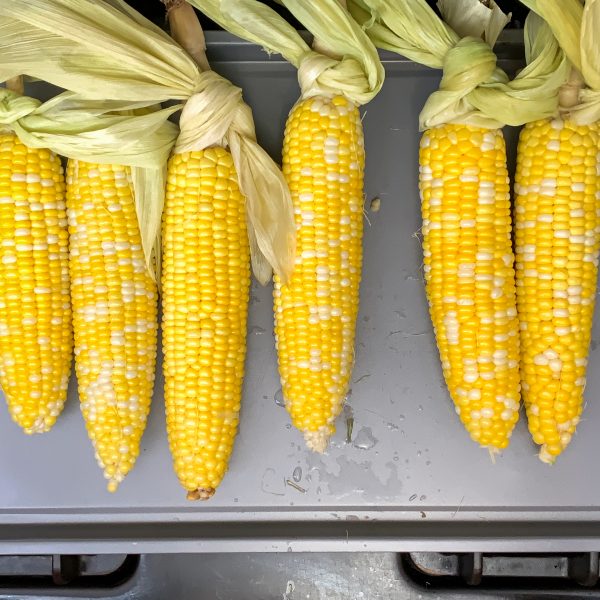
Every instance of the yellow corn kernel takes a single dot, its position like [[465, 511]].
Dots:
[[35, 310], [315, 313], [114, 313], [205, 287], [470, 281], [557, 236]]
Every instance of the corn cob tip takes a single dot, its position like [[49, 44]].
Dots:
[[493, 452], [40, 426], [112, 486], [113, 476], [545, 456], [200, 494], [318, 440]]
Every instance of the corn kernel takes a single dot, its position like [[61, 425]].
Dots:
[[114, 313], [556, 328], [315, 313], [205, 289], [35, 312], [469, 276]]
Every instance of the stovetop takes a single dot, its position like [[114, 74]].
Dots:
[[300, 576]]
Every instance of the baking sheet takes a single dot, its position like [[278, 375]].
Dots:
[[408, 477]]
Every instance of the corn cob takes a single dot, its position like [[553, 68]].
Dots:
[[35, 310], [557, 222], [315, 313], [114, 313], [205, 288], [469, 275]]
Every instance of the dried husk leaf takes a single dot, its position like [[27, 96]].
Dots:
[[358, 74], [474, 90], [103, 48]]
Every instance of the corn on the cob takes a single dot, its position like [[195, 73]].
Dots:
[[114, 313], [557, 222], [315, 313], [469, 275], [35, 311], [205, 288]]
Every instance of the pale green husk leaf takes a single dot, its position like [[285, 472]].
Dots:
[[97, 131], [590, 46], [104, 49], [216, 115], [577, 28], [474, 19], [564, 18], [474, 90], [409, 28], [357, 73]]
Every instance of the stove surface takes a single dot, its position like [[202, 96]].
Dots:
[[299, 576]]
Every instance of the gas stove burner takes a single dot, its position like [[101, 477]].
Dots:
[[88, 571], [570, 575]]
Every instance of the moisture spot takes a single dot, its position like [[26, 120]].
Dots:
[[365, 439], [297, 474], [279, 398]]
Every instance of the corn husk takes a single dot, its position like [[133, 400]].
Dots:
[[100, 131], [474, 19], [577, 27], [104, 49], [474, 90], [350, 65]]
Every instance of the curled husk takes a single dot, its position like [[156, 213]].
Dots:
[[357, 73], [576, 27], [103, 48], [474, 90]]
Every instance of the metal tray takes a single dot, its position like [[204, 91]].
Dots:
[[409, 479]]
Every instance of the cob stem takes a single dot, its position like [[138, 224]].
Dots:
[[187, 31], [568, 96], [15, 84]]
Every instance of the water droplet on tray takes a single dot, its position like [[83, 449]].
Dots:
[[297, 474], [256, 330], [279, 397], [412, 498], [365, 439]]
